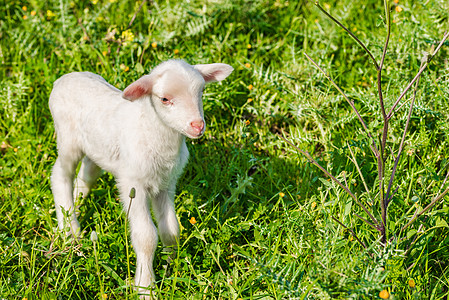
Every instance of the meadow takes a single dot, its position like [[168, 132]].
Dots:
[[259, 220]]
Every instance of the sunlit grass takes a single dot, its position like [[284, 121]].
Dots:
[[255, 216]]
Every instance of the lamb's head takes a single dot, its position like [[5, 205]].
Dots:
[[175, 90]]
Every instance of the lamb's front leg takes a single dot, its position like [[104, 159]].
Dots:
[[143, 234], [164, 211]]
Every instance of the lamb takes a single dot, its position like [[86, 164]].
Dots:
[[138, 135]]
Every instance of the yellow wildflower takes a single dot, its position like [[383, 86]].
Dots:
[[250, 87], [248, 65], [398, 9], [24, 17], [281, 194], [124, 68], [250, 100], [313, 205], [247, 122], [249, 46], [154, 45], [127, 36], [384, 294], [24, 8], [33, 13], [50, 14], [192, 220], [411, 283], [176, 51]]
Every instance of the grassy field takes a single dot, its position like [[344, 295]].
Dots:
[[258, 218]]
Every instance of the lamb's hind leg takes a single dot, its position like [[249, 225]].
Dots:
[[87, 175], [62, 187]]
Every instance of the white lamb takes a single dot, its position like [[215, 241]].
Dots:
[[139, 136]]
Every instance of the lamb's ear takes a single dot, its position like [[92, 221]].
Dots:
[[138, 88], [214, 72]]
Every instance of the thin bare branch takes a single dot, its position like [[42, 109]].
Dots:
[[401, 145], [373, 146], [424, 63], [354, 161], [429, 59], [351, 231], [444, 181], [383, 143], [346, 182], [132, 21], [379, 69], [427, 208], [367, 222], [135, 14], [314, 162], [392, 195], [317, 4]]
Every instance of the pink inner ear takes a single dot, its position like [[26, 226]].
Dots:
[[139, 88], [134, 91], [212, 76], [214, 72]]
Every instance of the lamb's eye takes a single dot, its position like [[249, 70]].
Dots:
[[165, 100]]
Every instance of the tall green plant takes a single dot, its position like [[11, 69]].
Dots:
[[384, 189]]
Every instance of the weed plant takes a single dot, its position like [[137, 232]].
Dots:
[[256, 217], [379, 150]]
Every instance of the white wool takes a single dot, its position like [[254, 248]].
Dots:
[[139, 136]]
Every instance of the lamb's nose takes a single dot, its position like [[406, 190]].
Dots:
[[198, 125]]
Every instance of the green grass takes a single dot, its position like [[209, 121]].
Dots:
[[264, 225]]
